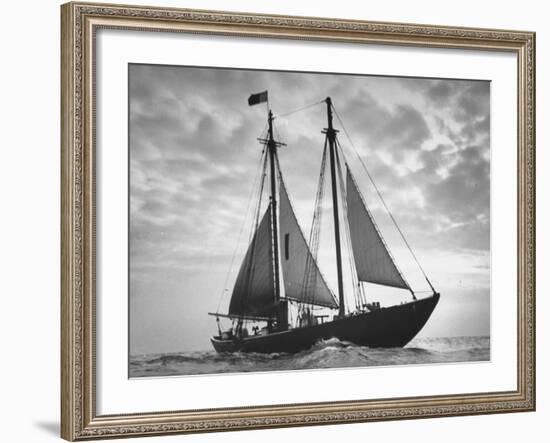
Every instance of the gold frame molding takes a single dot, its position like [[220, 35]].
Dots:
[[79, 22]]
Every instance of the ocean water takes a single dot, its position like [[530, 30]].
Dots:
[[331, 353]]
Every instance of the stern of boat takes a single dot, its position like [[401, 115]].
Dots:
[[222, 346]]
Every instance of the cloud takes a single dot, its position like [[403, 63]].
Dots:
[[194, 158], [441, 92], [391, 130]]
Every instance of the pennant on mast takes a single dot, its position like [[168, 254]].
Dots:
[[260, 97]]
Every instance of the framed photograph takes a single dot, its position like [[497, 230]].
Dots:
[[281, 221]]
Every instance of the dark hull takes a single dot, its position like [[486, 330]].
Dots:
[[390, 327]]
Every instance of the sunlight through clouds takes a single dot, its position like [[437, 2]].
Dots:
[[194, 156]]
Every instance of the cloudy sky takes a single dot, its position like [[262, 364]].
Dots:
[[193, 161]]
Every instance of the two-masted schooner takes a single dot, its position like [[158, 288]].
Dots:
[[280, 269]]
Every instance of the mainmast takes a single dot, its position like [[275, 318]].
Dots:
[[272, 147], [331, 136]]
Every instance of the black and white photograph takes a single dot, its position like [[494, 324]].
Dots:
[[285, 221], [315, 221]]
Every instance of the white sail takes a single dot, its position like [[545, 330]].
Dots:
[[372, 259], [297, 261], [254, 293]]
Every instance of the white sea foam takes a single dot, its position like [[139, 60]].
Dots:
[[331, 353]]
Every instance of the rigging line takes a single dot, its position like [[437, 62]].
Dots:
[[280, 175], [347, 240], [277, 133], [285, 114], [373, 221], [305, 289], [259, 196], [259, 191], [253, 237], [319, 208], [264, 131], [310, 274], [310, 277], [351, 260], [383, 201], [261, 160]]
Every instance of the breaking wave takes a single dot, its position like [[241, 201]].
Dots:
[[332, 353]]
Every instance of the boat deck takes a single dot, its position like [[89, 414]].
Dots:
[[393, 326]]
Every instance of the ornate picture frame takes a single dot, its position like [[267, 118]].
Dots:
[[80, 23]]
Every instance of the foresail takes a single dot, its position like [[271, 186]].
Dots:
[[254, 293], [373, 261], [303, 281]]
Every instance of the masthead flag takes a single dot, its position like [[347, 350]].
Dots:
[[260, 97]]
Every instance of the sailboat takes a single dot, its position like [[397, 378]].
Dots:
[[280, 269]]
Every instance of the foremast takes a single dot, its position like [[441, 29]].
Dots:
[[331, 136], [272, 145]]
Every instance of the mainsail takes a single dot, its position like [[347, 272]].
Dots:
[[254, 293], [373, 261], [297, 260]]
